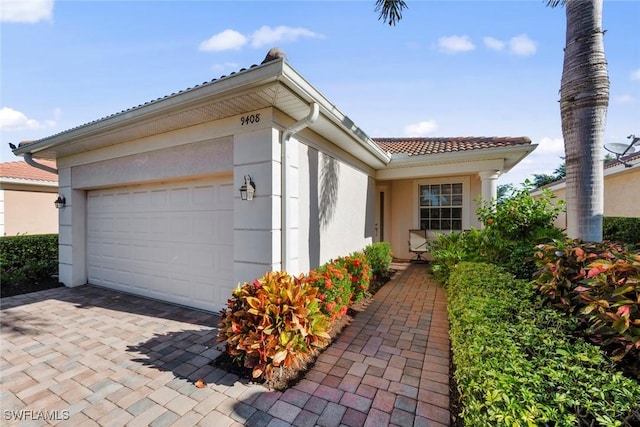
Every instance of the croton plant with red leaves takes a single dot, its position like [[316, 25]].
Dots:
[[600, 284]]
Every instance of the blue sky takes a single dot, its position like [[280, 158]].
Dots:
[[449, 68]]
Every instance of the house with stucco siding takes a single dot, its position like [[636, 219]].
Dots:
[[621, 184], [153, 205], [27, 195]]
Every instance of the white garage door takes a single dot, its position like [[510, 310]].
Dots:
[[169, 241]]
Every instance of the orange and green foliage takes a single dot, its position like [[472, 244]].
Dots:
[[600, 284], [273, 322], [334, 289], [360, 272]]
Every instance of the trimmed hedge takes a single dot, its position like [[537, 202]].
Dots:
[[618, 229], [517, 364], [379, 258], [27, 258]]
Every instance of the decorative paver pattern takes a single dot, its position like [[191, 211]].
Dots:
[[89, 356]]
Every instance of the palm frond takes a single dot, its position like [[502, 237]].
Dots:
[[390, 11], [554, 3]]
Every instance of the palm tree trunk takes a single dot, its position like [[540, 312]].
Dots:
[[584, 97]]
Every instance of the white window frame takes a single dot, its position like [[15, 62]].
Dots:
[[466, 202]]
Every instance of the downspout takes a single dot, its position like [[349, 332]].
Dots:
[[284, 167], [31, 162]]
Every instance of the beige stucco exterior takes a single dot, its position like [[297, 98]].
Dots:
[[27, 209], [402, 198], [621, 197]]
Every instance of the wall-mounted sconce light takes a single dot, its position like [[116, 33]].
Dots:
[[60, 201], [248, 189]]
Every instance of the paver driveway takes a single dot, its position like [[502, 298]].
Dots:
[[89, 356]]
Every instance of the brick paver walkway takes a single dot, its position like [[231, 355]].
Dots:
[[89, 356]]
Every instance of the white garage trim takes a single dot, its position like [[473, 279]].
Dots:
[[169, 241]]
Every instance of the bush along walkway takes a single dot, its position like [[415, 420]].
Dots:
[[390, 366]]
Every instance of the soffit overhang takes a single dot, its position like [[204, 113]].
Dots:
[[274, 84], [501, 159]]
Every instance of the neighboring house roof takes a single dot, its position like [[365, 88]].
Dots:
[[612, 167], [419, 146], [627, 158], [23, 172]]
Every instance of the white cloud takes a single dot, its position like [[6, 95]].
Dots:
[[624, 99], [423, 128], [493, 44], [11, 119], [226, 40], [267, 36], [522, 45], [26, 11], [635, 75], [455, 44]]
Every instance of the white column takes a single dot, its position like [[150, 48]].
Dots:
[[489, 181], [256, 223], [72, 261]]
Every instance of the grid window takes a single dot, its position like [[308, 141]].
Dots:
[[441, 207]]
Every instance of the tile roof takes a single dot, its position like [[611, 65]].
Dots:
[[627, 158], [21, 170], [420, 146], [139, 106], [607, 165]]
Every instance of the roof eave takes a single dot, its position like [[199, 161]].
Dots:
[[296, 82], [515, 153], [221, 87]]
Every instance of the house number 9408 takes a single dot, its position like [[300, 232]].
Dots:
[[251, 118]]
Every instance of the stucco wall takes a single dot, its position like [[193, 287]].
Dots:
[[622, 194], [28, 212], [404, 202], [335, 208]]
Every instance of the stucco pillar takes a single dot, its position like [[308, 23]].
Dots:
[[256, 223], [489, 181], [72, 265]]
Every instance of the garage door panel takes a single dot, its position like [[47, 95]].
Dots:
[[171, 242]]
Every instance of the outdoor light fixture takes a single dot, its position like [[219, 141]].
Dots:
[[621, 150], [248, 189], [60, 201]]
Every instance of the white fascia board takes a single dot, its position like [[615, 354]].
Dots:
[[21, 181], [440, 169], [198, 94], [302, 87]]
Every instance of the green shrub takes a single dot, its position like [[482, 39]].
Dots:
[[334, 289], [379, 258], [447, 251], [359, 272], [28, 258], [517, 363], [599, 283], [618, 229], [274, 322], [515, 225]]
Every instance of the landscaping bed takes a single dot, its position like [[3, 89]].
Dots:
[[286, 378], [274, 328], [518, 362]]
